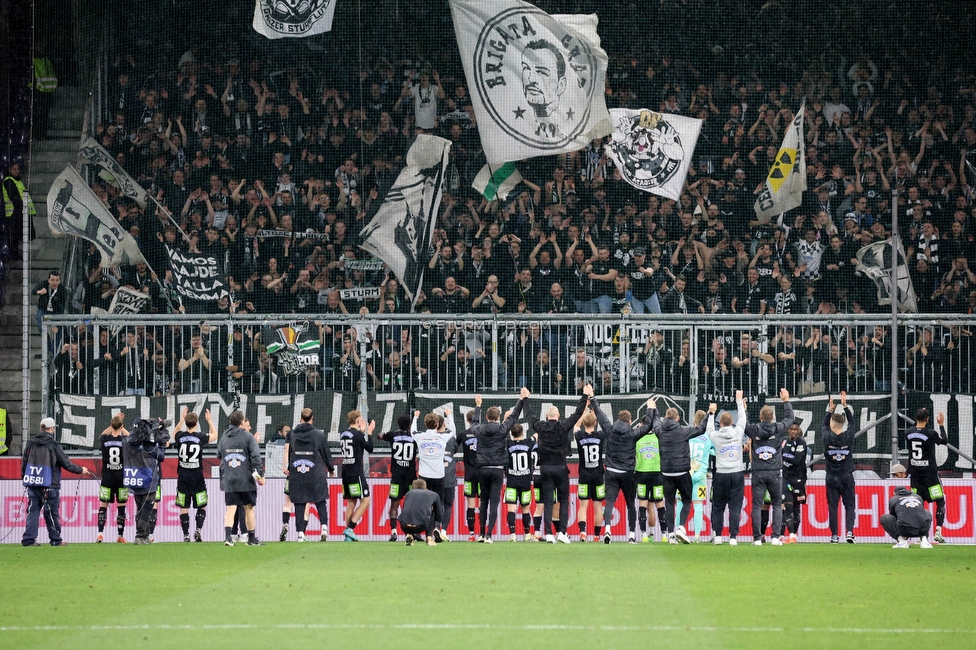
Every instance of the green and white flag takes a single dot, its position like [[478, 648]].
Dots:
[[498, 183]]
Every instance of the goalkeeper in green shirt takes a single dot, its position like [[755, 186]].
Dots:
[[650, 485]]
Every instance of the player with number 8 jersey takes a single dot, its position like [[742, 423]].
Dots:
[[112, 488], [190, 484]]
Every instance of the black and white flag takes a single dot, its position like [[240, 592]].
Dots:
[[195, 275], [93, 153], [74, 209], [653, 150], [125, 302], [874, 262], [401, 231], [293, 18], [537, 81]]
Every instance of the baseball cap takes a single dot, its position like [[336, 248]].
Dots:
[[639, 251], [47, 423], [898, 468]]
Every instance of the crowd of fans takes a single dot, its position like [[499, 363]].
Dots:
[[273, 164]]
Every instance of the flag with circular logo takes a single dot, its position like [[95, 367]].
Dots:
[[537, 81], [653, 150]]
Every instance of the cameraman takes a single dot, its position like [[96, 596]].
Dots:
[[41, 468], [145, 448]]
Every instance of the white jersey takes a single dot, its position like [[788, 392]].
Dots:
[[728, 443], [431, 446]]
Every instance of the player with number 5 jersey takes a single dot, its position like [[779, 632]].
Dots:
[[191, 488], [923, 466]]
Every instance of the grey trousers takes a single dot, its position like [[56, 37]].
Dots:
[[767, 481]]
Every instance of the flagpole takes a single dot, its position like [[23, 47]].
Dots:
[[894, 322]]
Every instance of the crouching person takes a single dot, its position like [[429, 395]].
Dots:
[[421, 510]]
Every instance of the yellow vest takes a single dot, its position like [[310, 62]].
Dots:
[[8, 206], [3, 431], [44, 78]]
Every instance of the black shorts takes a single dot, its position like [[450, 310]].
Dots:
[[191, 488], [249, 498], [472, 482], [650, 486], [591, 487], [107, 494], [400, 484], [928, 486], [355, 487], [519, 494], [794, 490]]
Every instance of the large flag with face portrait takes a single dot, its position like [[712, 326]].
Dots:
[[537, 81], [402, 229]]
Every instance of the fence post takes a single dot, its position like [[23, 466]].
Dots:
[[692, 369], [495, 361], [624, 339]]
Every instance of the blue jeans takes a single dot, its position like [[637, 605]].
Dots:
[[649, 306], [604, 305], [50, 500]]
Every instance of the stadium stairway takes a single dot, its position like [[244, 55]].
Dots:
[[48, 157]]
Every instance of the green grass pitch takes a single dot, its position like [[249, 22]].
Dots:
[[382, 595]]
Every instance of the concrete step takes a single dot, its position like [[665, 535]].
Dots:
[[56, 145]]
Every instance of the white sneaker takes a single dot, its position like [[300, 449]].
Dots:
[[529, 538], [672, 539], [682, 535], [562, 538], [733, 541], [512, 538], [717, 540], [444, 537], [777, 541], [697, 539], [488, 540], [758, 542], [925, 543], [550, 539], [902, 543], [301, 537]]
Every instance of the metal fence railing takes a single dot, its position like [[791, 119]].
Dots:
[[161, 355]]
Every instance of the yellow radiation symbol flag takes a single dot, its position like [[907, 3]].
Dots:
[[782, 168]]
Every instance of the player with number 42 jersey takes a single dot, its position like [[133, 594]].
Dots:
[[191, 488]]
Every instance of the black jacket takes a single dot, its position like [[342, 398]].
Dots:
[[493, 438], [141, 465], [46, 459], [239, 456], [675, 454], [60, 298], [838, 450], [309, 464], [554, 435], [767, 441], [621, 438]]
